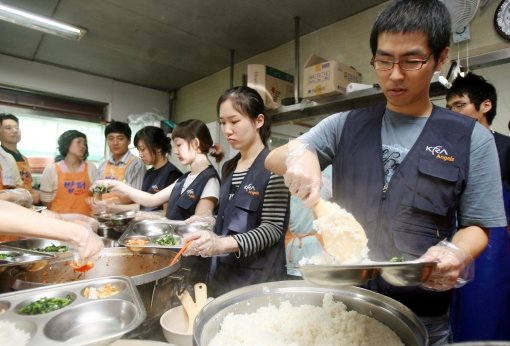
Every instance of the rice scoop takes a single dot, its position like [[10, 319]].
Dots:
[[342, 236]]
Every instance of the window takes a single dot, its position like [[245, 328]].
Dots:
[[40, 132]]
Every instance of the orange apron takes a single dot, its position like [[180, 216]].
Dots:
[[115, 172], [25, 173], [73, 189], [291, 238]]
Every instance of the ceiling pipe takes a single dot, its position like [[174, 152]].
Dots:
[[297, 66], [232, 62]]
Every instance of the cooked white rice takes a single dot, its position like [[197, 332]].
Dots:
[[304, 325], [10, 335]]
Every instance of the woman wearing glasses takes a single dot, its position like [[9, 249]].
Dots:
[[420, 179]]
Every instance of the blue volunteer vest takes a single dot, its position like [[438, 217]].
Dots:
[[182, 205], [158, 182], [417, 208], [239, 215]]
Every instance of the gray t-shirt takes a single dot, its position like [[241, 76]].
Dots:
[[478, 205]]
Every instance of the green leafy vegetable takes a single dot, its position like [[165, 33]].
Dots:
[[397, 259], [45, 305], [167, 240], [100, 189], [52, 248], [7, 256]]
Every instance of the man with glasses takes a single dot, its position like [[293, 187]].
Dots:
[[419, 179], [472, 318]]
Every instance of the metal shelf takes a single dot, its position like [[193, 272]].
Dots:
[[337, 103]]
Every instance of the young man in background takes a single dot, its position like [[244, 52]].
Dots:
[[475, 319], [10, 136], [122, 165]]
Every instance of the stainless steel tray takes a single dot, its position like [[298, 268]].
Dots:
[[32, 244], [23, 259], [83, 322], [409, 273], [152, 230]]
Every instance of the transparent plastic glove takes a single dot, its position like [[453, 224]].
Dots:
[[454, 267], [206, 244], [204, 221], [19, 196], [114, 186], [87, 245], [102, 206], [303, 175]]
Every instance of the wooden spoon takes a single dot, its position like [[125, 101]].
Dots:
[[190, 308], [200, 295]]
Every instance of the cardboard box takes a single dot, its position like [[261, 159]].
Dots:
[[323, 77], [273, 85]]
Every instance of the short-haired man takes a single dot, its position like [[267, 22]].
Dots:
[[122, 164], [420, 179], [474, 319], [10, 136]]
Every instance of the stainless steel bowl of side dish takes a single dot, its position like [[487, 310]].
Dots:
[[122, 218], [249, 299]]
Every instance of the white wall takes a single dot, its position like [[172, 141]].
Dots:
[[123, 99]]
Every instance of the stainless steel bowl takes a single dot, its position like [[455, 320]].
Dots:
[[248, 299], [123, 218], [151, 228]]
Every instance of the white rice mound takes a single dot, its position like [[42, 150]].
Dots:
[[343, 236], [304, 325], [10, 335]]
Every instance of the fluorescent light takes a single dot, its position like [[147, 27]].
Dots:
[[44, 24]]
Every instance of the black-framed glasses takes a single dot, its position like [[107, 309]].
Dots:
[[405, 64]]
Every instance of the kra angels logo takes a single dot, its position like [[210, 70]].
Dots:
[[191, 194], [440, 153], [250, 189]]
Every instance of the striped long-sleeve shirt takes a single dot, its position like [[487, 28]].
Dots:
[[274, 207]]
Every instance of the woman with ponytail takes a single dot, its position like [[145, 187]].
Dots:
[[194, 193], [247, 244]]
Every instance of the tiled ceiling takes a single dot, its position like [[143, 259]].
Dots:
[[166, 44]]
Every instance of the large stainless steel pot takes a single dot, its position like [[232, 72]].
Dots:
[[150, 270], [248, 299]]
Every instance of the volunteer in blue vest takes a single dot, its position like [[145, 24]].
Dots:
[[153, 147], [247, 244], [195, 192], [122, 165], [421, 180], [475, 319]]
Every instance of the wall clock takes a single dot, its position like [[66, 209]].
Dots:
[[502, 19]]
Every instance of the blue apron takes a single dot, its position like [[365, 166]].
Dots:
[[481, 309]]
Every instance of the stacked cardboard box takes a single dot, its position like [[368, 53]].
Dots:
[[323, 77], [272, 84]]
